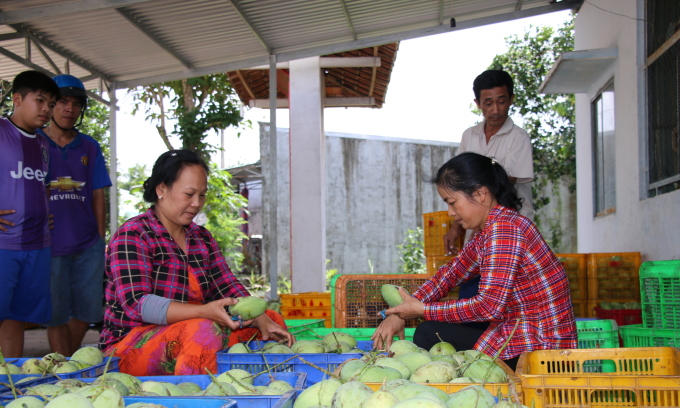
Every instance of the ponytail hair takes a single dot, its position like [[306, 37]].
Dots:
[[469, 171]]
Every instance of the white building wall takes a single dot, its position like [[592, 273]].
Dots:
[[640, 224], [376, 191]]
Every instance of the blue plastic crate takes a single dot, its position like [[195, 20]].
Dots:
[[259, 362], [4, 379], [94, 371], [187, 402], [297, 380]]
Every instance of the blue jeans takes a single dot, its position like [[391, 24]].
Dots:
[[77, 286]]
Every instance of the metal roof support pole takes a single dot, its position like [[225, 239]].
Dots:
[[307, 176], [113, 168], [274, 241]]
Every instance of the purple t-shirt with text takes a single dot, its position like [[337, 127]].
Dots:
[[24, 174], [77, 169]]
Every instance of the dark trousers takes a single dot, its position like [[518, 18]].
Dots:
[[462, 336]]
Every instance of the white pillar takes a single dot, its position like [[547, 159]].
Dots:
[[113, 168], [273, 154], [307, 176]]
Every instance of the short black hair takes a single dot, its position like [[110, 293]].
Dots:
[[467, 172], [490, 79], [167, 168], [33, 81]]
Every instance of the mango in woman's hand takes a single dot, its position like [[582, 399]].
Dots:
[[248, 307]]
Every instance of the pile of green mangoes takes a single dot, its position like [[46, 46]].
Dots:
[[620, 306], [108, 390], [332, 393], [441, 364], [334, 342], [55, 363]]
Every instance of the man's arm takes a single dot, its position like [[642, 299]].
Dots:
[[99, 207], [513, 180]]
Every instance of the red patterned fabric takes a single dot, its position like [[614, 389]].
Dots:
[[521, 281], [182, 348]]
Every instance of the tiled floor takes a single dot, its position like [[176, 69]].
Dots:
[[36, 345]]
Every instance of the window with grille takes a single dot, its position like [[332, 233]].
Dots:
[[604, 163], [663, 95]]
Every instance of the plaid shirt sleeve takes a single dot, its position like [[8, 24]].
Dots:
[[498, 269], [130, 267]]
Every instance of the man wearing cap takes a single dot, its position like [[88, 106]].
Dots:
[[77, 202]]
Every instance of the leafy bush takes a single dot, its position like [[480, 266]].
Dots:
[[412, 252]]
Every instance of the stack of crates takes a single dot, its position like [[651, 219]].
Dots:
[[575, 266], [614, 277], [435, 226], [660, 292]]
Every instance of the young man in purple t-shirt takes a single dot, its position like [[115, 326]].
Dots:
[[79, 177], [24, 230]]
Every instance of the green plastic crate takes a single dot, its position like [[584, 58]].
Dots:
[[297, 324], [360, 334], [636, 335], [660, 294], [593, 334]]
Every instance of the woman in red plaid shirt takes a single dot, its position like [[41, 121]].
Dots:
[[168, 282], [523, 287]]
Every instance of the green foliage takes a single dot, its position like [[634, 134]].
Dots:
[[222, 207], [549, 119], [329, 275], [5, 97], [132, 182], [96, 124], [412, 252], [198, 105]]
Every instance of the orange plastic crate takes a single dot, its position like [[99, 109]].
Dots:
[[308, 305], [613, 275], [318, 299], [307, 313], [433, 263], [575, 266], [580, 308], [643, 377], [358, 300]]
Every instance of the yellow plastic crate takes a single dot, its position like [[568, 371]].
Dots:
[[644, 377], [511, 389]]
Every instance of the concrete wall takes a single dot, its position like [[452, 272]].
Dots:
[[376, 191], [648, 225]]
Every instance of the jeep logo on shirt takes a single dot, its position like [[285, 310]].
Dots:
[[28, 173]]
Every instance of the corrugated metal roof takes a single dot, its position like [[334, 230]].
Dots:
[[135, 42]]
